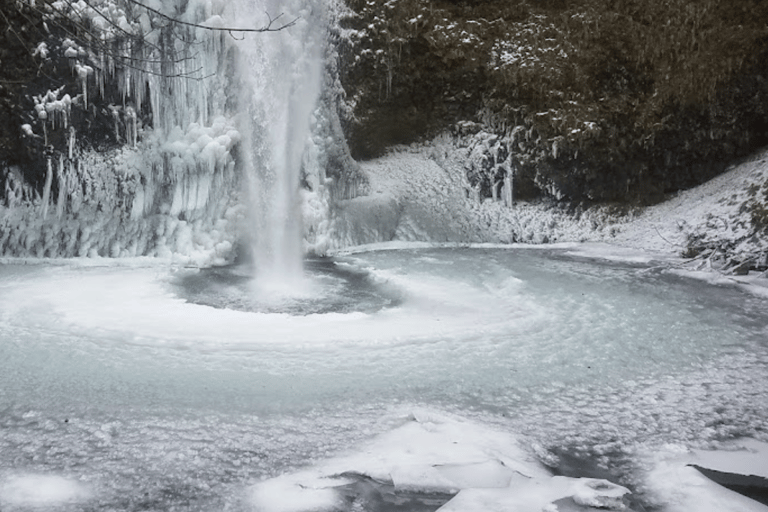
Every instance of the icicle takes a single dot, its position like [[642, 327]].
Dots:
[[507, 190], [71, 142], [62, 179], [100, 78], [47, 189], [73, 186], [131, 127], [82, 74], [67, 101], [116, 118]]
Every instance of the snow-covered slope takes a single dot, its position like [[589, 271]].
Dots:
[[718, 213], [414, 199]]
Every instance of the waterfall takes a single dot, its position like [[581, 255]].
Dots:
[[280, 78]]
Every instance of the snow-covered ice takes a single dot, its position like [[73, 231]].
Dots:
[[41, 491], [504, 357], [677, 486]]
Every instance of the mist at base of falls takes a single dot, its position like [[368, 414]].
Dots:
[[123, 382]]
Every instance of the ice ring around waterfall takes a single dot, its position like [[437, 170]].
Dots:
[[327, 286]]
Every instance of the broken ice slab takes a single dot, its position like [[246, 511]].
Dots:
[[675, 482], [547, 494], [423, 463]]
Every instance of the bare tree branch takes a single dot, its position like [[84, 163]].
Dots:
[[78, 28], [123, 58], [267, 28]]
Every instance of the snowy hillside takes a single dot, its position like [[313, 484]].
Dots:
[[717, 225]]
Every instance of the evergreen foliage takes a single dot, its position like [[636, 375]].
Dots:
[[620, 99]]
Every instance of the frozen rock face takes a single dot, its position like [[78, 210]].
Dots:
[[135, 152], [165, 131]]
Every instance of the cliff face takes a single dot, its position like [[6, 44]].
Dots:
[[585, 101], [42, 70], [109, 145], [596, 100]]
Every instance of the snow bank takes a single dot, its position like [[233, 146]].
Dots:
[[414, 199], [37, 491]]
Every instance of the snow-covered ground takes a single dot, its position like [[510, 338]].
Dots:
[[715, 213]]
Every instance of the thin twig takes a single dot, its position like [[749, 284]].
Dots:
[[662, 237], [10, 27], [266, 28], [108, 51]]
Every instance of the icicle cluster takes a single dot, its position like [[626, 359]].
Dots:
[[172, 187], [490, 165]]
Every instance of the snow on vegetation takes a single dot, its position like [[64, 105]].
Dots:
[[426, 193]]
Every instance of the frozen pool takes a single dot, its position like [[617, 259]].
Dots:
[[147, 388]]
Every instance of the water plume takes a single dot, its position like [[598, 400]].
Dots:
[[280, 77]]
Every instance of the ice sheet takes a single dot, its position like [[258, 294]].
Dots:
[[741, 456], [106, 369]]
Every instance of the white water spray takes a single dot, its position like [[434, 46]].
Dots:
[[280, 77]]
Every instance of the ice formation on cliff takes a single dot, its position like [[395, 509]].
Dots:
[[174, 185]]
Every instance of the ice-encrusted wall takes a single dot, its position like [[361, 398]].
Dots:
[[167, 84]]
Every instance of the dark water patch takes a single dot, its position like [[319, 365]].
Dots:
[[751, 486], [330, 288], [616, 467], [371, 495]]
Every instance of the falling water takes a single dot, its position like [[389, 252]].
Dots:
[[280, 76]]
